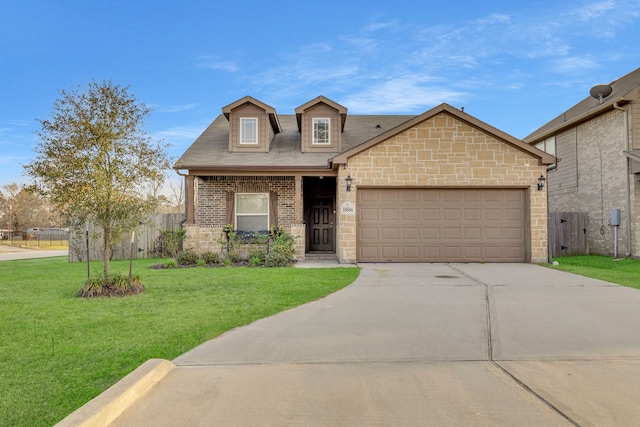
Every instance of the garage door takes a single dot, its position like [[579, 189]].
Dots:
[[441, 225]]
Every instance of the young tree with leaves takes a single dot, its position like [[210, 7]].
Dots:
[[96, 163]]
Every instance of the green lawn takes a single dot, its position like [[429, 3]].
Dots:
[[624, 271], [57, 351]]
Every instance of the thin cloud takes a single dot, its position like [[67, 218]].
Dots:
[[208, 62], [393, 66], [179, 133], [573, 64], [408, 94], [176, 108]]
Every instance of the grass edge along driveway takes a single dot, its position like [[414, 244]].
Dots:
[[58, 351], [623, 271]]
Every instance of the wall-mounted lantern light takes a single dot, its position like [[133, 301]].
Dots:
[[541, 181], [348, 180]]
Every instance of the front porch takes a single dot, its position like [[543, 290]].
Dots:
[[304, 206]]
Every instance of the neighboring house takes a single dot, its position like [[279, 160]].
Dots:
[[438, 187], [597, 144]]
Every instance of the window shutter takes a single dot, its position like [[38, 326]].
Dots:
[[273, 208], [231, 197]]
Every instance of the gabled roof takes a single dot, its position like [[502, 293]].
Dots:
[[273, 117], [321, 100], [210, 151], [545, 158], [588, 108]]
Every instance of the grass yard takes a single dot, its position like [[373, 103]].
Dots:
[[623, 271], [58, 351]]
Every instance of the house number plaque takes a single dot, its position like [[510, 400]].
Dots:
[[348, 208]]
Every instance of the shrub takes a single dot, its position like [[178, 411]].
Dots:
[[210, 258], [114, 285], [230, 241], [172, 263], [257, 256], [232, 257], [187, 258], [168, 243], [281, 251]]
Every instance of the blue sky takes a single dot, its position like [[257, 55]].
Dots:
[[512, 64]]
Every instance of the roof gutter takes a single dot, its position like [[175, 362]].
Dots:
[[578, 119]]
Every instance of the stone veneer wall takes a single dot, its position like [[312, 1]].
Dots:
[[211, 209], [439, 152], [601, 184]]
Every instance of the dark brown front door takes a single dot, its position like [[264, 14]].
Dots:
[[320, 222]]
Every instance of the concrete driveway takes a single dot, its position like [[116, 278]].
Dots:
[[419, 345]]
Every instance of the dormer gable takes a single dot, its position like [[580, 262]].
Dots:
[[252, 125], [320, 123]]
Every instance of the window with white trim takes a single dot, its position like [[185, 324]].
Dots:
[[548, 145], [248, 130], [321, 131], [252, 211]]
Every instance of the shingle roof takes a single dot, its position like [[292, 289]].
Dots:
[[211, 149], [588, 107]]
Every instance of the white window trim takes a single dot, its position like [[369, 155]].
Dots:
[[254, 120], [236, 214], [313, 130], [548, 146]]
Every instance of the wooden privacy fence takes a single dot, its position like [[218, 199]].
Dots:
[[146, 237], [568, 233]]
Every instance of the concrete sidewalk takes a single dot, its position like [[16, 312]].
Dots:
[[410, 344]]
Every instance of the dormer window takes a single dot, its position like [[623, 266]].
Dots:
[[321, 131], [249, 130]]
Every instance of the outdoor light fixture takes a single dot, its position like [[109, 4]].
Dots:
[[541, 181], [348, 179]]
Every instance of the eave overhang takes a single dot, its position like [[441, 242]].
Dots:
[[587, 115], [256, 170]]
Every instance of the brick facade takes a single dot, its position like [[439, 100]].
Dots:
[[439, 152], [211, 209], [211, 204], [603, 183]]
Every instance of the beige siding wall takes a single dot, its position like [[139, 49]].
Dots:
[[320, 111], [264, 129], [443, 152], [634, 128], [602, 183], [566, 174]]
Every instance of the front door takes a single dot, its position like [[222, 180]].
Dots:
[[320, 223]]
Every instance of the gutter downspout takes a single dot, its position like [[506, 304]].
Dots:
[[626, 136], [186, 205], [549, 257]]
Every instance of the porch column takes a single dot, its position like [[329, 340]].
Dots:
[[298, 211], [189, 200]]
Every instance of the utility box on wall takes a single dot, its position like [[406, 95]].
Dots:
[[615, 217]]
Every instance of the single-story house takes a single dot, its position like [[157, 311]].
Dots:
[[597, 144], [441, 186]]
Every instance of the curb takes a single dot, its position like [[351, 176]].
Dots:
[[109, 405]]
